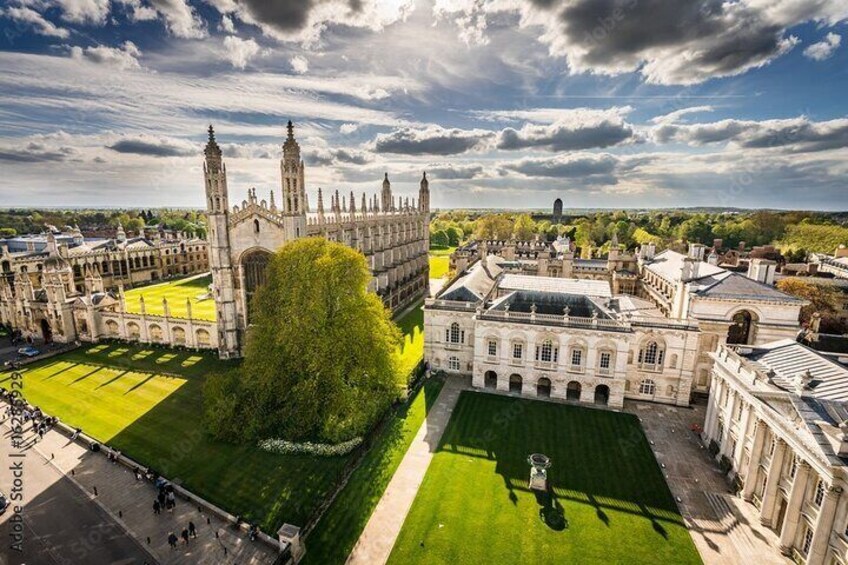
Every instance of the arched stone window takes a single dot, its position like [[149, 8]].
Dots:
[[547, 352], [651, 356], [254, 263], [647, 386], [490, 380], [455, 334], [179, 336], [543, 387], [155, 333], [255, 226], [202, 338], [740, 330], [133, 330], [112, 328]]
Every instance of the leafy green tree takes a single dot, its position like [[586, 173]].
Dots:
[[524, 227], [322, 357], [439, 239], [454, 236], [493, 226], [8, 232]]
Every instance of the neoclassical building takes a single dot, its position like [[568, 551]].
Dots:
[[777, 420], [557, 338], [391, 232]]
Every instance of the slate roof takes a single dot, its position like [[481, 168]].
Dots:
[[668, 264], [474, 284], [736, 286], [556, 285], [787, 358]]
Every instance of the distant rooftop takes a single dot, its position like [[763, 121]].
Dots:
[[584, 287]]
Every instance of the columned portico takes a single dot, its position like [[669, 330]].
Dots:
[[752, 473], [824, 526], [770, 494], [793, 507]]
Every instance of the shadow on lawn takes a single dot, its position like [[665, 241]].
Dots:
[[599, 458]]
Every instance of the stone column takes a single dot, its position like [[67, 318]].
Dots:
[[753, 471], [770, 494], [742, 439], [793, 507], [289, 534], [824, 526], [712, 410], [728, 418]]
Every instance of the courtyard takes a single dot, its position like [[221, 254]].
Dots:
[[177, 292], [609, 503]]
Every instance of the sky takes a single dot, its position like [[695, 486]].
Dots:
[[505, 103]]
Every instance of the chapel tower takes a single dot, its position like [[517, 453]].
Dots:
[[294, 187], [424, 195], [386, 195], [220, 261]]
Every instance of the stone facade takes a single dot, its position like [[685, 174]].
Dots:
[[776, 419], [61, 288], [392, 233], [564, 339]]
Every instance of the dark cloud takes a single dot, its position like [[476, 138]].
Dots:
[[154, 147], [592, 168], [450, 171], [565, 136], [432, 140], [797, 134], [36, 153], [326, 157], [288, 15], [671, 41]]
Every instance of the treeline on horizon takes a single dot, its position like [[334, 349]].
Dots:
[[23, 221], [795, 234]]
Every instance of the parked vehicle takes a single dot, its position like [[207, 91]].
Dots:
[[28, 351]]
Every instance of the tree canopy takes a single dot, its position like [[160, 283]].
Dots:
[[322, 360]]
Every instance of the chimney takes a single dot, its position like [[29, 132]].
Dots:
[[762, 270], [652, 250], [689, 269], [696, 251]]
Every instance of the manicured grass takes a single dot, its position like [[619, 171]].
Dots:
[[474, 505], [335, 535], [440, 262], [411, 325], [148, 403], [176, 291]]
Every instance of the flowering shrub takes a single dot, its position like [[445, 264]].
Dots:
[[283, 447]]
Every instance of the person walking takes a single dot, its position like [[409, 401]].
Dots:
[[184, 535], [172, 540], [192, 531], [156, 507]]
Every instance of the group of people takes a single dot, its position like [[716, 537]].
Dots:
[[188, 533], [41, 423], [165, 499]]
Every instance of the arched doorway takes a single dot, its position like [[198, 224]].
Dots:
[[740, 328], [46, 331], [515, 383], [602, 395], [253, 265], [572, 391], [543, 387], [491, 380]]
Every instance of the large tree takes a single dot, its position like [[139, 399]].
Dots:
[[322, 358]]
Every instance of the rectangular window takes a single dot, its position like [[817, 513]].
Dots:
[[819, 496], [605, 362], [808, 540], [517, 351], [493, 348], [576, 357]]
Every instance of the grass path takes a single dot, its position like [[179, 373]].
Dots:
[[340, 527], [610, 505]]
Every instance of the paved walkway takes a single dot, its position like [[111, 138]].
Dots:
[[724, 528], [130, 504], [377, 539]]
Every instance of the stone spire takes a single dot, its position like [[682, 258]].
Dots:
[[320, 203], [424, 194], [364, 206], [386, 194], [352, 203], [212, 151], [273, 204]]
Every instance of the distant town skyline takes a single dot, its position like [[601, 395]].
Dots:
[[506, 104]]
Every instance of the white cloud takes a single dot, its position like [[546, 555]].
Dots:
[[123, 57], [347, 129], [39, 24], [181, 20], [84, 11], [227, 24], [823, 49], [299, 64], [239, 51], [139, 12], [675, 115]]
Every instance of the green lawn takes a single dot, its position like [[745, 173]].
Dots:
[[335, 535], [440, 262], [148, 403], [411, 324], [611, 503], [176, 291]]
